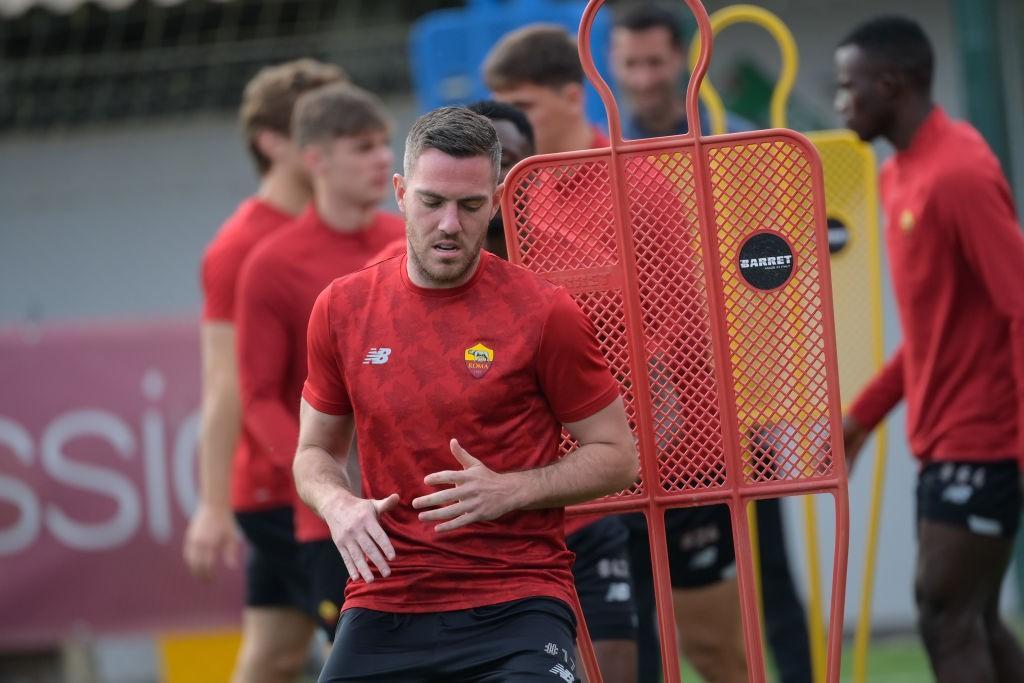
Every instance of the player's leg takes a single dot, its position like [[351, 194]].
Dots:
[[951, 597], [648, 655], [1006, 651], [785, 620], [967, 519], [327, 580], [711, 630], [275, 645], [605, 588], [705, 592], [276, 628]]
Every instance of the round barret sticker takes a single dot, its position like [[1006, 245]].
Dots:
[[766, 261]]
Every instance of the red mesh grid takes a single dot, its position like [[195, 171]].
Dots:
[[726, 358]]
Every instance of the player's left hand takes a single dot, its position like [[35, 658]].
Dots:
[[477, 494]]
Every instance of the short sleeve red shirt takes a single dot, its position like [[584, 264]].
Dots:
[[253, 220], [277, 287], [499, 363]]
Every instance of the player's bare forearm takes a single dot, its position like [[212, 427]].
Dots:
[[321, 480], [221, 414], [587, 473], [211, 536]]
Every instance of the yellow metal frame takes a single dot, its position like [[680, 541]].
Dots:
[[758, 16]]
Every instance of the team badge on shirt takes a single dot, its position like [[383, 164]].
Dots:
[[479, 359], [906, 220]]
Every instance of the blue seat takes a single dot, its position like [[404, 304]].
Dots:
[[447, 47]]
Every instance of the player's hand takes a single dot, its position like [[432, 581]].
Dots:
[[854, 437], [212, 537], [356, 530], [477, 494]]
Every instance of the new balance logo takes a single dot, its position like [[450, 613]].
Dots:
[[377, 356], [563, 673]]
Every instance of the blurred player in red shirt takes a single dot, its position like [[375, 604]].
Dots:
[[343, 137], [649, 64], [957, 263], [457, 371], [536, 69], [272, 633]]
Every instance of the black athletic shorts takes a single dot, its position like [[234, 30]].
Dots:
[[700, 550], [603, 579], [520, 641], [275, 576], [984, 498], [327, 579]]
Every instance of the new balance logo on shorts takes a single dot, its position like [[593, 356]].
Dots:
[[377, 356], [563, 673]]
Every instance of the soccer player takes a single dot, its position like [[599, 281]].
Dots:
[[457, 371], [957, 258], [342, 134], [273, 647], [536, 70], [649, 63]]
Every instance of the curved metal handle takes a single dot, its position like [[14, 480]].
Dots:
[[702, 59], [750, 14]]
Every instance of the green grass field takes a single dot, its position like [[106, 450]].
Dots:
[[890, 660], [894, 659]]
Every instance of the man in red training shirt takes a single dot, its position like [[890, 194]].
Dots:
[[342, 133], [275, 626], [457, 371], [957, 262], [537, 68]]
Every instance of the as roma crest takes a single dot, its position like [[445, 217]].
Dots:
[[478, 360]]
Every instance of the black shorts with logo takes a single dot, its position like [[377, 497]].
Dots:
[[275, 576], [984, 498], [700, 550], [603, 579], [522, 641], [327, 580]]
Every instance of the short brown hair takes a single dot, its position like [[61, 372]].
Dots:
[[455, 131], [336, 110], [270, 96], [538, 54]]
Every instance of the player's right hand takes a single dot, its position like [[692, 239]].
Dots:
[[356, 530], [211, 537], [854, 437]]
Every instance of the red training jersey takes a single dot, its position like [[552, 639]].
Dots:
[[252, 221], [957, 261], [279, 283], [500, 363]]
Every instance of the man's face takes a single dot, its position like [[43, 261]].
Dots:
[[863, 96], [514, 148], [354, 168], [648, 68], [447, 203], [550, 110]]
